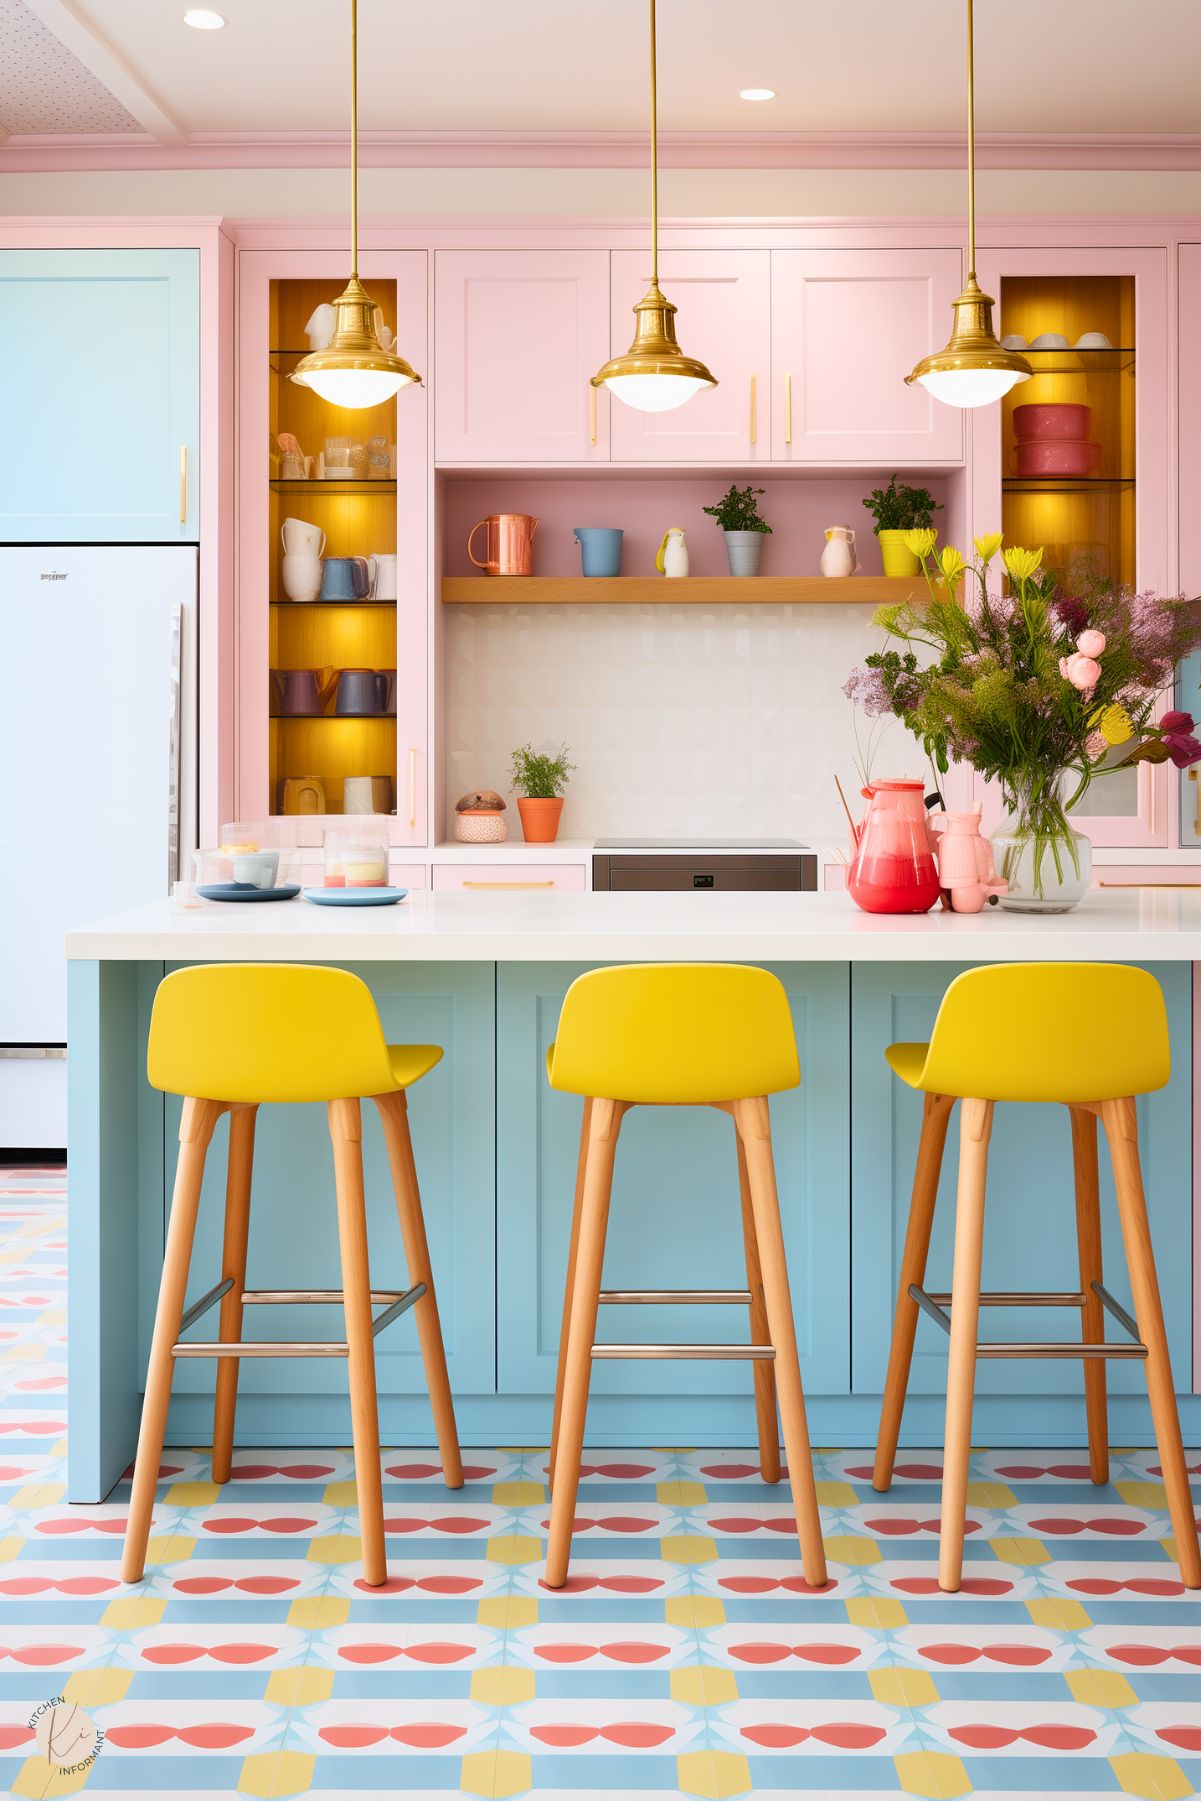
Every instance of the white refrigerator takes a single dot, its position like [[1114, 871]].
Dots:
[[98, 781]]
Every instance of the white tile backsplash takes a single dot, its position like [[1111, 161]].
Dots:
[[682, 719]]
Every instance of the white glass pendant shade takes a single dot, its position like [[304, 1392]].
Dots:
[[970, 387], [655, 393], [353, 387]]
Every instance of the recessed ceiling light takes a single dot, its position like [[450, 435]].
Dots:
[[756, 93], [202, 18]]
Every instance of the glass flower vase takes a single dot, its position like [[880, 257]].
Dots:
[[1046, 863]]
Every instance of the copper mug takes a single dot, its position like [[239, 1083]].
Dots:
[[510, 544]]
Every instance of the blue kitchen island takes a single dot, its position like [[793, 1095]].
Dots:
[[484, 975]]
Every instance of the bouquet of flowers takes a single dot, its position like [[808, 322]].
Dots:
[[1044, 688]]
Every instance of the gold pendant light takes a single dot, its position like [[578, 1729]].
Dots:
[[974, 369], [353, 370], [654, 375]]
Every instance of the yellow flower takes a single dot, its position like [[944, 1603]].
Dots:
[[1114, 724], [988, 546], [1021, 564], [921, 542], [952, 566]]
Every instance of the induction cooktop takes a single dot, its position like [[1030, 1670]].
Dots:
[[687, 844]]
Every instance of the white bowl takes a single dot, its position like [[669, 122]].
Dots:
[[1049, 340], [1092, 340], [1014, 341]]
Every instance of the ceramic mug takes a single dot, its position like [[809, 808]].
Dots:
[[361, 693], [300, 539], [345, 578], [297, 693], [382, 567], [301, 577], [600, 549], [257, 868], [367, 794]]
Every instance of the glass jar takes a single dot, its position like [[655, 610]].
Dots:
[[356, 857], [1046, 862]]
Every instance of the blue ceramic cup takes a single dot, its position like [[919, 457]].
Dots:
[[600, 549], [345, 578]]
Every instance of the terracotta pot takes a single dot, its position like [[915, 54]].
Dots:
[[540, 820]]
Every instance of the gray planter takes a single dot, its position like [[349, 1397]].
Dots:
[[744, 550]]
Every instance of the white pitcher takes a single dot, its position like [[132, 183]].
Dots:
[[381, 568], [673, 552], [300, 539], [839, 558]]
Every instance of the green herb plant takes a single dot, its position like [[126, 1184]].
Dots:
[[738, 510], [898, 508], [539, 777]]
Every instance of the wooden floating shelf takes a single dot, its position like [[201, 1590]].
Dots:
[[695, 590]]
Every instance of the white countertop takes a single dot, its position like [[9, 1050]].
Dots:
[[1141, 925]]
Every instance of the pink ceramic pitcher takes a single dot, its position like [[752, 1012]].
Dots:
[[966, 871], [893, 869]]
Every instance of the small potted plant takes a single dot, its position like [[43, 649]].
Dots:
[[538, 782], [898, 509], [737, 512]]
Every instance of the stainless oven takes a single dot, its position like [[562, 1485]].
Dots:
[[706, 865]]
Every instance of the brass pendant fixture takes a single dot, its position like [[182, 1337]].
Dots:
[[354, 370], [654, 375], [974, 368]]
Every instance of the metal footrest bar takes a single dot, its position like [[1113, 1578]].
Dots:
[[686, 1352], [205, 1302], [675, 1297], [936, 1306], [398, 1303]]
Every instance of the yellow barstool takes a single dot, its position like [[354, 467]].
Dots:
[[1089, 1036], [230, 1036], [670, 1035]]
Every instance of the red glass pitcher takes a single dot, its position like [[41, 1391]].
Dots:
[[893, 868]]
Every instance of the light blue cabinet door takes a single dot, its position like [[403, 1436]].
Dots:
[[293, 1224], [1188, 696], [1030, 1217], [100, 377], [675, 1220]]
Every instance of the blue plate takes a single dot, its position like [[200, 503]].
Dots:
[[355, 897], [246, 891]]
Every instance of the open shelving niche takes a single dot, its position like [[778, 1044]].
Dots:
[[359, 519]]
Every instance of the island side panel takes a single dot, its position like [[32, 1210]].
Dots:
[[675, 1221], [1030, 1238], [114, 1157]]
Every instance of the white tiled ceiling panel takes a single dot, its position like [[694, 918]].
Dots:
[[43, 88]]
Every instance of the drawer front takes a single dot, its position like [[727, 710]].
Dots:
[[727, 874], [1148, 875], [33, 1101], [567, 878]]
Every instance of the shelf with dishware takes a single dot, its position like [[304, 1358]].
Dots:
[[694, 590]]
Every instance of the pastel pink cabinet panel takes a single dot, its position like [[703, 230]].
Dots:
[[518, 335], [483, 877], [724, 319], [847, 327]]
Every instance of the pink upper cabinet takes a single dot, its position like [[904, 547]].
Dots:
[[518, 334], [846, 328], [724, 319]]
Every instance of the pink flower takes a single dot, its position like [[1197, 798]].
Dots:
[[1081, 671], [1183, 748], [1096, 746], [1091, 644], [1176, 721]]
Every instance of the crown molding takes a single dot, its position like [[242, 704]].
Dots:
[[603, 150]]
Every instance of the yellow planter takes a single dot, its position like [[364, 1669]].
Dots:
[[897, 560]]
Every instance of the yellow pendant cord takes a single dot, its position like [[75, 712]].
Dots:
[[354, 139], [971, 150]]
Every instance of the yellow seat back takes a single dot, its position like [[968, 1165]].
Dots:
[[675, 1034], [267, 1032], [1049, 1032]]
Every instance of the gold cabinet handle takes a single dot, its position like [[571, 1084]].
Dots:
[[754, 420], [1128, 885], [183, 484], [788, 408], [591, 414], [508, 884], [412, 787]]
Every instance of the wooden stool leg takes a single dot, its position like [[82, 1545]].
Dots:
[[753, 1123], [1121, 1130], [346, 1134], [233, 1265], [764, 1373], [936, 1116], [1092, 1315], [603, 1126], [572, 1253], [195, 1135], [975, 1128], [394, 1113]]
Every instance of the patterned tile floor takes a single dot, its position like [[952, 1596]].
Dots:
[[686, 1657]]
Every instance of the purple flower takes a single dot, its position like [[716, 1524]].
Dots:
[[1183, 748], [1073, 613], [1176, 721], [867, 688]]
